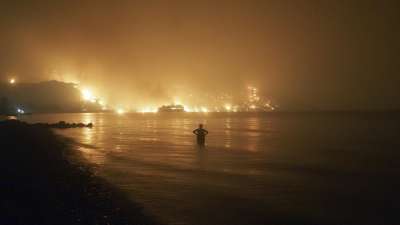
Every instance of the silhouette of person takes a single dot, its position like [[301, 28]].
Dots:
[[201, 135]]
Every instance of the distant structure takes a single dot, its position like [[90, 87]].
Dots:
[[255, 103], [253, 95], [171, 108]]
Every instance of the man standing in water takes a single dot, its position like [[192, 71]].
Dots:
[[201, 135]]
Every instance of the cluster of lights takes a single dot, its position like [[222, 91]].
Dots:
[[253, 103], [268, 105], [253, 97], [230, 108], [20, 111]]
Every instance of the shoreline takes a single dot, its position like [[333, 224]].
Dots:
[[41, 185]]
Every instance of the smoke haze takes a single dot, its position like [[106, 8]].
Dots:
[[301, 54]]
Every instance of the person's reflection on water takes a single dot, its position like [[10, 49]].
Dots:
[[201, 135], [201, 158]]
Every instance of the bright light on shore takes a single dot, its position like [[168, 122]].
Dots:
[[102, 103], [228, 107], [148, 110], [187, 109], [177, 101], [120, 111], [12, 81], [20, 111], [204, 109]]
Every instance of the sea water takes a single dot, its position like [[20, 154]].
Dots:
[[256, 168]]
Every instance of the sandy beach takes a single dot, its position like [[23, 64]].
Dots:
[[41, 185]]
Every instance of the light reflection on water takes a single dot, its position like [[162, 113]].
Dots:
[[160, 151], [253, 164]]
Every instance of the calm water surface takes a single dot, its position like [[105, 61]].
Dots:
[[256, 168]]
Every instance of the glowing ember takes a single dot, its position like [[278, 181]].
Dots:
[[228, 107], [102, 103], [87, 95], [224, 102]]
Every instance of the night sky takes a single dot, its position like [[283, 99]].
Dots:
[[302, 54]]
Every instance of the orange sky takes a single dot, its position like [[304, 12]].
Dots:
[[304, 54]]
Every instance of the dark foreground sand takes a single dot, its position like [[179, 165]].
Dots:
[[39, 185]]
